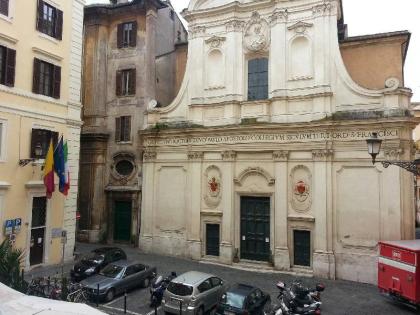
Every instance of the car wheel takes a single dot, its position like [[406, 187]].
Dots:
[[110, 295], [146, 283]]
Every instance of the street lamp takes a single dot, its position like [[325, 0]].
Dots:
[[38, 153], [374, 146]]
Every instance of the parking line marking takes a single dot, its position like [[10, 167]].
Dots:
[[152, 312], [114, 301], [120, 310]]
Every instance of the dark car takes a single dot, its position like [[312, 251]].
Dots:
[[243, 299], [93, 262], [118, 277]]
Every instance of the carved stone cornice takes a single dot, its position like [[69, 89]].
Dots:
[[279, 17], [279, 156], [393, 153], [325, 8], [235, 26], [300, 27], [149, 156], [215, 41], [197, 31], [228, 155], [321, 155], [195, 155]]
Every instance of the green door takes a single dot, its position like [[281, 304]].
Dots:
[[122, 222], [212, 239], [255, 228]]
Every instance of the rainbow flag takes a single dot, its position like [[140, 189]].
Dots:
[[49, 171]]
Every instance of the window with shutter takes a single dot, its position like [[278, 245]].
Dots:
[[4, 7], [3, 56], [258, 79], [118, 129], [40, 139], [49, 20], [10, 67], [47, 79], [126, 82], [123, 129], [127, 34], [2, 132], [126, 128]]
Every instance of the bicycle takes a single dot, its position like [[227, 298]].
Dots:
[[77, 294]]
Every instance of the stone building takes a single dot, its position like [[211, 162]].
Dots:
[[261, 159], [40, 99], [135, 53]]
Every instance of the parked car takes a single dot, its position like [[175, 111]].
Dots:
[[243, 299], [93, 262], [118, 277], [194, 292]]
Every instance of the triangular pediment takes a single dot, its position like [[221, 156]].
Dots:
[[300, 25]]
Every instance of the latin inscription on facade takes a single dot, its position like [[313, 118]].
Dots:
[[274, 137]]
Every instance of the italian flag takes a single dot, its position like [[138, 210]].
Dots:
[[66, 170], [49, 171]]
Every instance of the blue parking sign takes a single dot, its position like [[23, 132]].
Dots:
[[17, 225], [9, 227]]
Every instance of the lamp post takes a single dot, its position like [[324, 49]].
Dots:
[[374, 146], [38, 153]]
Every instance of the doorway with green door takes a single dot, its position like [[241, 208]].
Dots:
[[122, 221]]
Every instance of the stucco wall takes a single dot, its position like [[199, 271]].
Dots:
[[371, 62]]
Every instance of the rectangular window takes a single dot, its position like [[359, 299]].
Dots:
[[127, 35], [258, 79], [47, 79], [7, 66], [40, 141], [49, 20], [4, 7], [126, 82], [123, 129]]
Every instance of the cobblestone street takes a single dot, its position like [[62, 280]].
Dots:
[[339, 298]]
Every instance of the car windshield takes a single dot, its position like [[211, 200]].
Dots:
[[180, 289], [111, 271], [233, 299], [94, 257]]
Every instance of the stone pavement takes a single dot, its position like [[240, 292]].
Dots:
[[339, 298]]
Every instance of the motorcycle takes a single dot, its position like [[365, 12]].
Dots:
[[298, 300], [158, 287]]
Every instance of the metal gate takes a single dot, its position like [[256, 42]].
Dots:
[[302, 248], [255, 228], [122, 222], [212, 239]]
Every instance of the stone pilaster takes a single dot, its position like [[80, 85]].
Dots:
[[147, 202], [228, 169], [323, 257], [281, 250], [195, 160]]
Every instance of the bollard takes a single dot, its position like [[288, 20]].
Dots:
[[97, 296], [125, 302], [156, 309], [180, 308]]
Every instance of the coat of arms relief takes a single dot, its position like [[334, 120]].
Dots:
[[257, 34], [300, 195], [212, 186]]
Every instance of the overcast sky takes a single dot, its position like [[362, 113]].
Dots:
[[374, 16]]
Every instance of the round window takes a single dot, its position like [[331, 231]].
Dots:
[[124, 167]]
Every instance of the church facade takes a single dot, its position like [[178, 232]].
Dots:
[[261, 159]]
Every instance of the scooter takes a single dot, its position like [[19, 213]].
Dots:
[[299, 300], [158, 287]]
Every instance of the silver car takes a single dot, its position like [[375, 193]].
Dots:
[[194, 292]]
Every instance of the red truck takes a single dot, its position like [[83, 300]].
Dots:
[[399, 271]]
